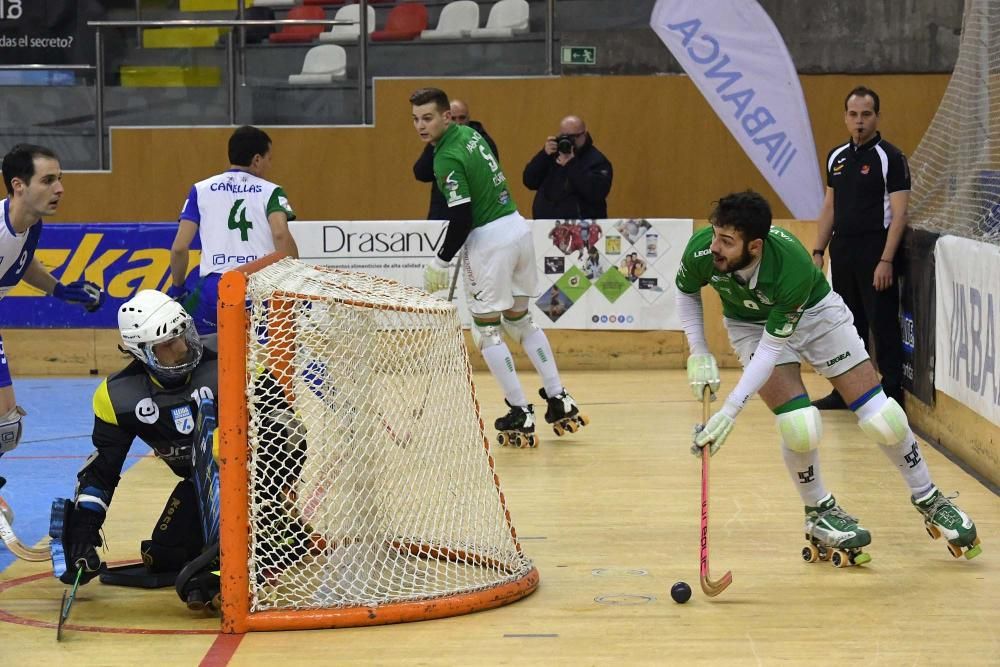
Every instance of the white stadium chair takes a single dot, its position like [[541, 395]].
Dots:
[[323, 64], [458, 19], [507, 18], [347, 34]]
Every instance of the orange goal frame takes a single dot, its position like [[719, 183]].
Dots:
[[235, 501]]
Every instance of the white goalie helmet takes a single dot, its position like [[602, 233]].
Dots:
[[152, 317]]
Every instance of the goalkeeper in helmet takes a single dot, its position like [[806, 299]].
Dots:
[[156, 398]]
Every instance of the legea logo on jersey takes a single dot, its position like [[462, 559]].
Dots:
[[221, 258]]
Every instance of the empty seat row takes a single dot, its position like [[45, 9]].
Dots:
[[458, 19]]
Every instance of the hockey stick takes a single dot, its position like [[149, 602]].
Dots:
[[66, 604], [454, 276], [711, 588], [10, 538]]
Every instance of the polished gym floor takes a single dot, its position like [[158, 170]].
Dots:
[[610, 516]]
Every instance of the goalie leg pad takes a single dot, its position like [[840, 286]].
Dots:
[[11, 429], [520, 327], [486, 334], [802, 429], [888, 426], [177, 536]]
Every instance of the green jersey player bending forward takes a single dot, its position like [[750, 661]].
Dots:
[[499, 266], [779, 310]]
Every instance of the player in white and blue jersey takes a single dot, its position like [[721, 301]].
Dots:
[[239, 216], [34, 188]]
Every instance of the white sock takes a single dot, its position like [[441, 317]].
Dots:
[[536, 346], [501, 364], [905, 454], [803, 468], [910, 462]]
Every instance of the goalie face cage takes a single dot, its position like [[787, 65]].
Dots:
[[357, 483]]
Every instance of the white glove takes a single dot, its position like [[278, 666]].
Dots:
[[703, 370], [713, 433], [436, 275]]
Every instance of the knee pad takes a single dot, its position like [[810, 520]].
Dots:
[[519, 328], [888, 426], [801, 430], [10, 429], [486, 335], [161, 558]]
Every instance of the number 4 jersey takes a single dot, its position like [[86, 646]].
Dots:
[[231, 212]]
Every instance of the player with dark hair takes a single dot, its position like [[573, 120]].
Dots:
[[779, 310], [499, 265], [239, 216], [33, 178]]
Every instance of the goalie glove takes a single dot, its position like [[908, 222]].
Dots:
[[703, 370], [76, 534], [436, 275], [82, 292]]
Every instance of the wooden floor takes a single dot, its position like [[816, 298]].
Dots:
[[610, 517]]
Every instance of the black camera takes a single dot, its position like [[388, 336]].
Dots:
[[565, 144]]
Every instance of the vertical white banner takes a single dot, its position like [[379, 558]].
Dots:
[[967, 285], [734, 54]]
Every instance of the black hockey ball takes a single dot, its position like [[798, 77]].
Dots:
[[680, 592]]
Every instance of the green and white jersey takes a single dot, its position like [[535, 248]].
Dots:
[[785, 283], [231, 212], [467, 171]]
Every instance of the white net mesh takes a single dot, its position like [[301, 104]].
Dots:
[[370, 480], [956, 168]]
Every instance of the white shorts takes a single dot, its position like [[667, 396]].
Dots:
[[499, 265], [825, 338]]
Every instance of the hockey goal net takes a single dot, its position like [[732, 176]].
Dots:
[[357, 483], [956, 167]]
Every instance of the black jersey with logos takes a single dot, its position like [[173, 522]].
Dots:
[[862, 178], [132, 404]]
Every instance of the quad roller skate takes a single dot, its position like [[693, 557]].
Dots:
[[942, 517], [517, 428], [563, 413], [834, 535]]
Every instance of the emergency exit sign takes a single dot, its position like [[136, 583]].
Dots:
[[579, 55]]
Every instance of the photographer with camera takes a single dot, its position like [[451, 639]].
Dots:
[[571, 177]]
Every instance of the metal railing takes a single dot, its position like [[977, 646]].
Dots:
[[234, 72], [235, 56]]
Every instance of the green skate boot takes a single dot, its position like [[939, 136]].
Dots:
[[943, 517], [834, 535]]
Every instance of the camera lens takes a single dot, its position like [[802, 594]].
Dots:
[[564, 144]]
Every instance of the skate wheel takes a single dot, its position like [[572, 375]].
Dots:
[[583, 419], [974, 551], [501, 439], [571, 426], [860, 558], [558, 429], [824, 554], [840, 558], [532, 441], [810, 553], [932, 530], [954, 551]]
